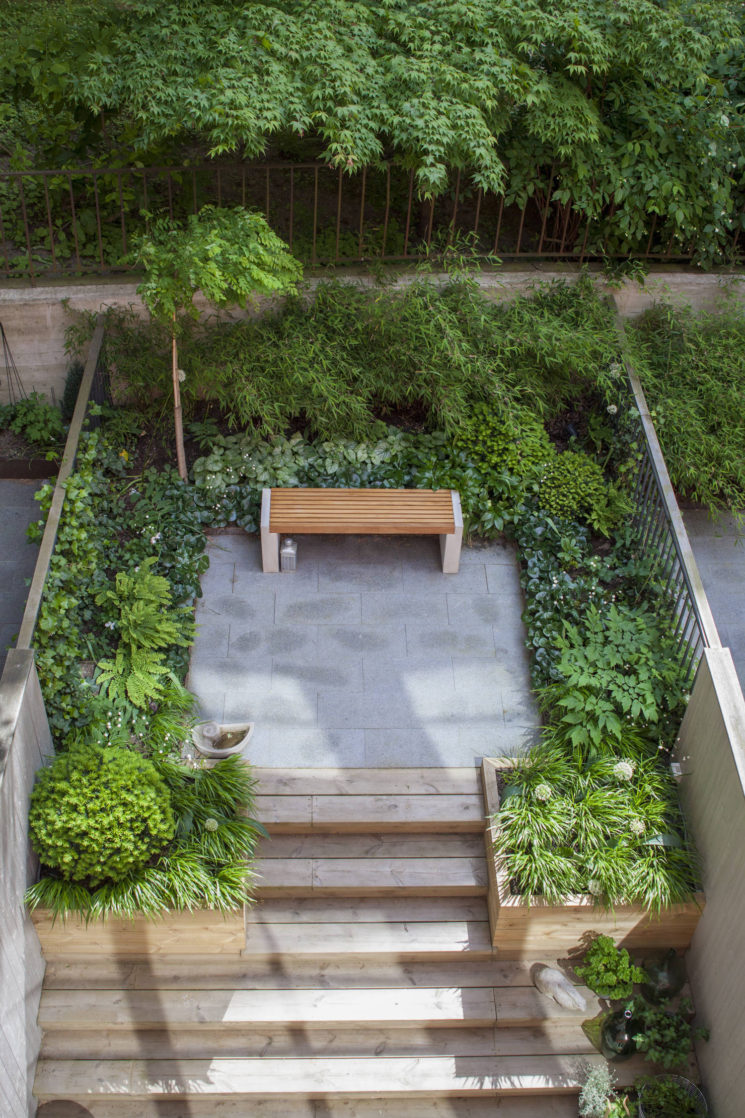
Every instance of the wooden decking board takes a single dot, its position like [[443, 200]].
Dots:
[[365, 910], [526, 1005], [371, 876], [341, 972], [372, 846], [403, 940], [378, 814], [241, 1042], [187, 1009], [504, 1107], [368, 782], [284, 1077]]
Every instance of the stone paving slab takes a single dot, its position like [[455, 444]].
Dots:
[[366, 655], [719, 549], [18, 509]]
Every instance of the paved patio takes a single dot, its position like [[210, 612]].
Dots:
[[17, 556], [719, 548], [366, 655]]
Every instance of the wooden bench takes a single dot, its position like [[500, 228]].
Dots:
[[361, 512]]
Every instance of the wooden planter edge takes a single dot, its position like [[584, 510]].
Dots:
[[527, 929], [202, 932]]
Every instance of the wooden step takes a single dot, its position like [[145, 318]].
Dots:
[[294, 973], [359, 1041], [319, 845], [371, 877], [556, 1106], [432, 940], [368, 782], [365, 910], [350, 814], [318, 1077], [239, 1041], [185, 1009]]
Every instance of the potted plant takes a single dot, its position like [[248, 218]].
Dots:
[[608, 970], [670, 1096]]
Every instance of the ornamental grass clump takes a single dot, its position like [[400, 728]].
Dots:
[[611, 828], [100, 815]]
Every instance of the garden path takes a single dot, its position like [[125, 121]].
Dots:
[[719, 550], [17, 557], [366, 655]]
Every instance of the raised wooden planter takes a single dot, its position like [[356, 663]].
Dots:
[[205, 932], [532, 929]]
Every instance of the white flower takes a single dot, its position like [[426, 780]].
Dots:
[[181, 375], [109, 624], [624, 770], [612, 409], [615, 369], [542, 792], [594, 887], [155, 538], [637, 827], [211, 824]]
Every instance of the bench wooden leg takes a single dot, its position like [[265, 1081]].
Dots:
[[269, 540], [450, 544]]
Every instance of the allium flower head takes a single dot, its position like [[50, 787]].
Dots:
[[624, 770], [211, 824], [542, 792], [637, 827]]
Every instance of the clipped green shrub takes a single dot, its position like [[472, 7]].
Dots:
[[99, 814], [497, 440], [571, 485], [205, 864]]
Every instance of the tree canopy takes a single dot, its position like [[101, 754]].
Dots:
[[623, 106]]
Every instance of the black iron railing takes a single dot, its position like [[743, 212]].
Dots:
[[75, 222]]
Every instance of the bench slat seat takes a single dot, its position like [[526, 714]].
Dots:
[[378, 512]]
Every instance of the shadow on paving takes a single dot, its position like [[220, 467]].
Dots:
[[366, 655]]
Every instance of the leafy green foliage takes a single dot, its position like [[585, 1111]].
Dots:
[[572, 485], [667, 1035], [692, 368], [99, 815], [611, 828], [230, 255], [495, 441], [40, 423], [608, 969], [110, 524], [666, 1097], [620, 667], [205, 865], [353, 357], [629, 115]]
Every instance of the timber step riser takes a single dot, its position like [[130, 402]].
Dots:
[[363, 985]]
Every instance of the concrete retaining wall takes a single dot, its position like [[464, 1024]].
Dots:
[[35, 318], [25, 743], [712, 755]]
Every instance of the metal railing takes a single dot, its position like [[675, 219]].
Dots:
[[663, 539], [82, 221]]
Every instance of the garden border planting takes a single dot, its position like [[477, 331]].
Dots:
[[525, 928]]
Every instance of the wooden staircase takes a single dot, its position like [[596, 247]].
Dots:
[[368, 985]]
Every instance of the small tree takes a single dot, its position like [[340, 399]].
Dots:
[[228, 255]]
